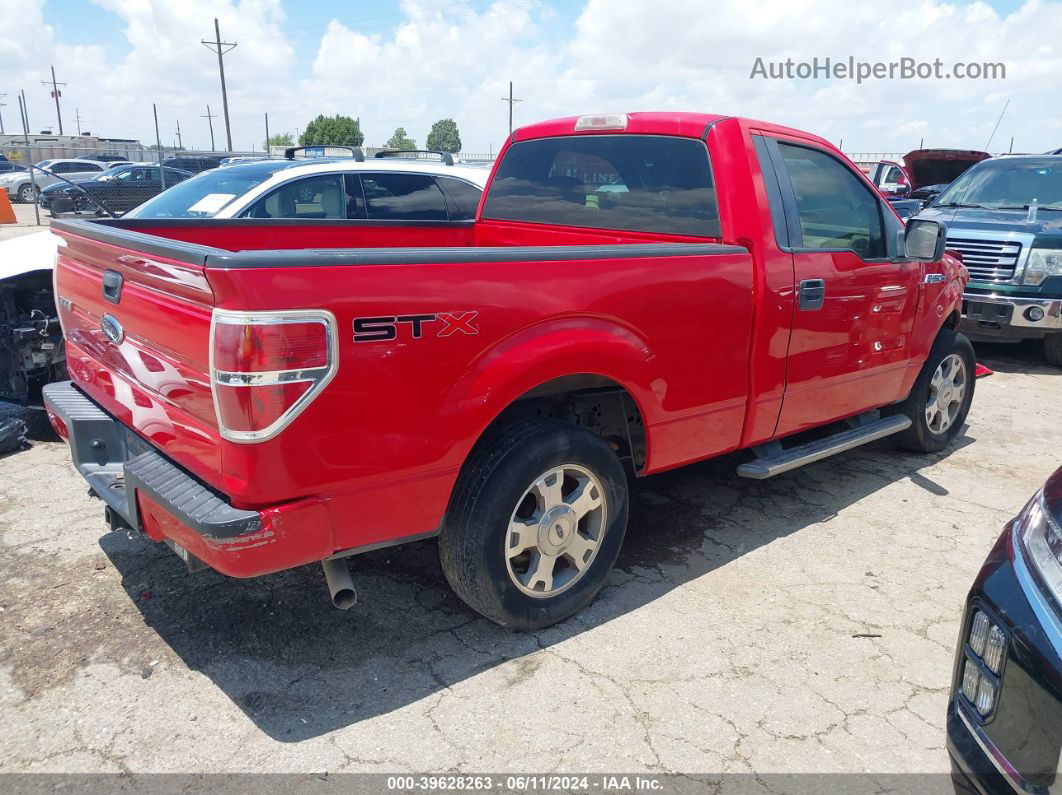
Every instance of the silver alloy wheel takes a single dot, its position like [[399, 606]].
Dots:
[[28, 193], [555, 531], [947, 390]]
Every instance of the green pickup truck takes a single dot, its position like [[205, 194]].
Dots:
[[1004, 216]]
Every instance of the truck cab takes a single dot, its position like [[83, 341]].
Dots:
[[1004, 216]]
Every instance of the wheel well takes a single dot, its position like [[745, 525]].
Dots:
[[952, 320], [594, 402]]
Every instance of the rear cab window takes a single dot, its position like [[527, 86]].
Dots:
[[639, 183]]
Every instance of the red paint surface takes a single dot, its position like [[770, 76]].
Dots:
[[708, 346]]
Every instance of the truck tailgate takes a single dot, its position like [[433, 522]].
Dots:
[[137, 328]]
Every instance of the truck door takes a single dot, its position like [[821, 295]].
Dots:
[[852, 321]]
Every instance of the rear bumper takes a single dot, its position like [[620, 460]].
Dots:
[[1001, 315], [156, 497]]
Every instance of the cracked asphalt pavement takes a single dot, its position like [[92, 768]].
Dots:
[[805, 623]]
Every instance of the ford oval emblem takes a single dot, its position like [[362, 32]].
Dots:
[[112, 329]]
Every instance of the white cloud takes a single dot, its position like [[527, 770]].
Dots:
[[454, 60]]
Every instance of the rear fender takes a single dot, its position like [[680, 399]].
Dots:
[[541, 353]]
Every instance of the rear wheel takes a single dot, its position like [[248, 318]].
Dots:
[[941, 396], [535, 524], [1053, 349]]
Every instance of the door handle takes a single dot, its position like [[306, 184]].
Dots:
[[812, 294]]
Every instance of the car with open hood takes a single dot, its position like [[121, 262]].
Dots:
[[930, 171]]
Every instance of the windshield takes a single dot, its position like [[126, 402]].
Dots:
[[1007, 183], [205, 195], [111, 172]]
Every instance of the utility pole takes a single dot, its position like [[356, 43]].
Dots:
[[180, 143], [77, 118], [210, 120], [2, 105], [510, 100], [267, 135], [56, 93], [222, 47]]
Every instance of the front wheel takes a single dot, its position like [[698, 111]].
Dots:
[[941, 396], [535, 524], [1053, 349], [28, 193]]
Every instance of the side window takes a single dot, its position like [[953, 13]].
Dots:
[[311, 197], [464, 195], [402, 197], [894, 177], [67, 168], [835, 208]]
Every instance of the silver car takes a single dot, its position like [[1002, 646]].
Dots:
[[20, 184]]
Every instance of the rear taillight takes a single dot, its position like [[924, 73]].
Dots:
[[266, 367]]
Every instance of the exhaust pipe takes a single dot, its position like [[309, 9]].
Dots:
[[340, 586]]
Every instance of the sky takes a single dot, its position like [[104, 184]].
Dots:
[[407, 63]]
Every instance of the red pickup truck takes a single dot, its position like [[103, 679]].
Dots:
[[637, 292]]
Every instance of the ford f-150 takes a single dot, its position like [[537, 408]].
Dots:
[[636, 292]]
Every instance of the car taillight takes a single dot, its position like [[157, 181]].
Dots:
[[266, 367]]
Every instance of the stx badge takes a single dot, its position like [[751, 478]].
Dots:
[[386, 327]]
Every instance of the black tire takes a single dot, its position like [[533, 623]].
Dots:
[[472, 544], [28, 194], [920, 437], [1053, 349]]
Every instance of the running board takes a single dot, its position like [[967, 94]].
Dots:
[[784, 460]]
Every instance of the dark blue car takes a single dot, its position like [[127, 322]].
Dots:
[[1005, 710]]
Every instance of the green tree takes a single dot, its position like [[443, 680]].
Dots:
[[332, 131], [280, 139], [399, 140], [444, 136]]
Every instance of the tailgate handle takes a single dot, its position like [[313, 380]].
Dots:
[[112, 286]]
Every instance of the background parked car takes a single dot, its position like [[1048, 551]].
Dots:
[[192, 165], [7, 166], [25, 186], [389, 189], [932, 170], [888, 176], [1004, 718], [1004, 216], [119, 189]]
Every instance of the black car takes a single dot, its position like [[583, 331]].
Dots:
[[117, 189], [192, 165], [1004, 718]]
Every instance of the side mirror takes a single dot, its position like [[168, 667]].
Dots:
[[924, 240]]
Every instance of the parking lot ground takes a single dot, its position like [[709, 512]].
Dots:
[[805, 623]]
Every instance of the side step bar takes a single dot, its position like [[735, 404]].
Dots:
[[784, 460]]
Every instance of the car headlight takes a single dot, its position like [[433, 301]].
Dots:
[[1041, 540], [1043, 262]]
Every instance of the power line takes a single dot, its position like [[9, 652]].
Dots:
[[210, 120], [56, 93], [511, 102], [216, 46]]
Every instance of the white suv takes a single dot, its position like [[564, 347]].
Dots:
[[20, 184]]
